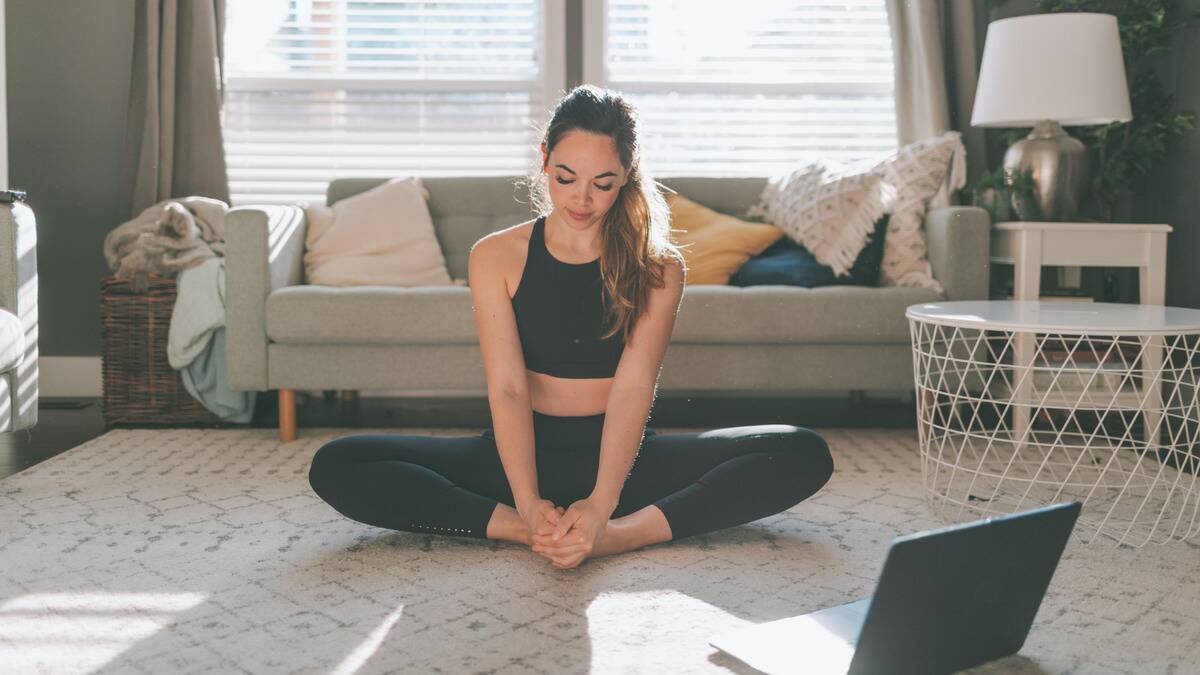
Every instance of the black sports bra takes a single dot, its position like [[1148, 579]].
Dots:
[[560, 314]]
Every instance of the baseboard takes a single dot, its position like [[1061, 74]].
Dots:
[[73, 376]]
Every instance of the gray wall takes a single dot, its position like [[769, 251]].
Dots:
[[1172, 195], [68, 83], [68, 86]]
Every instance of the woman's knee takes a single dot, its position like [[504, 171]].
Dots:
[[800, 447], [328, 463], [815, 450], [809, 453]]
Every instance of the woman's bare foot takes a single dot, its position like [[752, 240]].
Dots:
[[506, 524], [615, 539]]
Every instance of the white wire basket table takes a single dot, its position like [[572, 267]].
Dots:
[[1025, 403]]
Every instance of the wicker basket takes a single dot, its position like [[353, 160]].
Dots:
[[140, 386]]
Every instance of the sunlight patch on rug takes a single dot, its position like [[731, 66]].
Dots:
[[70, 633]]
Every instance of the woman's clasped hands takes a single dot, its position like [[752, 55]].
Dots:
[[568, 537]]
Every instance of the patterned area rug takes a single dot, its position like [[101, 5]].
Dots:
[[204, 551]]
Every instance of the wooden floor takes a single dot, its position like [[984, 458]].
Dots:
[[64, 423]]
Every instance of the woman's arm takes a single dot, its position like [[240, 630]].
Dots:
[[633, 389], [507, 385]]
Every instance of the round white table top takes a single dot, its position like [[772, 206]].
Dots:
[[1068, 317]]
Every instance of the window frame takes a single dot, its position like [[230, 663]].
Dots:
[[553, 52], [594, 68], [595, 34], [552, 55]]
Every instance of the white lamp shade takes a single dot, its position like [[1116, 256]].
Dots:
[[1065, 67]]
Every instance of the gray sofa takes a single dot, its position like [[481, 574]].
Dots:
[[770, 340], [18, 317]]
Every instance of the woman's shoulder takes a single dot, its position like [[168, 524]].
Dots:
[[673, 264], [505, 248], [507, 239]]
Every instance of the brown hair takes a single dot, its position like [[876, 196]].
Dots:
[[635, 232]]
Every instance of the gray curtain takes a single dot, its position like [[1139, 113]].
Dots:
[[173, 143], [937, 46]]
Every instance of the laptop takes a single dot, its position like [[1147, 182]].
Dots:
[[947, 599]]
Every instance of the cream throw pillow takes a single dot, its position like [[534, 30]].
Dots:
[[830, 209], [381, 237]]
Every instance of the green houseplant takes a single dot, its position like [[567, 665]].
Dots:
[[1005, 193], [1124, 152]]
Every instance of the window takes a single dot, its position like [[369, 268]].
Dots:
[[321, 89], [747, 88]]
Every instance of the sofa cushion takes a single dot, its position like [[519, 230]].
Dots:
[[371, 315], [709, 314], [792, 314], [465, 208], [12, 341]]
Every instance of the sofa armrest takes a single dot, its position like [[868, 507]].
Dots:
[[959, 241], [264, 251], [19, 295]]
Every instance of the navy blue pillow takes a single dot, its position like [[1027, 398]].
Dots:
[[788, 263]]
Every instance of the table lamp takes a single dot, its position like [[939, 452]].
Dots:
[[1045, 71]]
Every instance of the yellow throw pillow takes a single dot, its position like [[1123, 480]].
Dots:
[[714, 245]]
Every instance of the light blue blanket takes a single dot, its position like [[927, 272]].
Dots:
[[196, 342]]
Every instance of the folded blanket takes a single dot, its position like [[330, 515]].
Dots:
[[196, 342], [199, 311], [207, 380], [167, 238]]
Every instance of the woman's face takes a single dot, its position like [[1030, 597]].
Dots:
[[585, 175]]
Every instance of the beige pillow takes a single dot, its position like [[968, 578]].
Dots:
[[381, 237], [714, 245]]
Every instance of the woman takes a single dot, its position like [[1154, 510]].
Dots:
[[574, 311]]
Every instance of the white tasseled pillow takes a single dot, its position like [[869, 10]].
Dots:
[[918, 176], [830, 209], [381, 237]]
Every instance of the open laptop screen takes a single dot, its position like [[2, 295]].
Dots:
[[963, 595]]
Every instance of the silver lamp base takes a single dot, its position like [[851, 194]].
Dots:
[[1060, 171]]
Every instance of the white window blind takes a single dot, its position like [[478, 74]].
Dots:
[[747, 88], [320, 89]]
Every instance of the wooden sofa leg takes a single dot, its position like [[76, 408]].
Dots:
[[287, 415]]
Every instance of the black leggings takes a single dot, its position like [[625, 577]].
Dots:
[[450, 485]]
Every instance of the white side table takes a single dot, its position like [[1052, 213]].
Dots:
[[1029, 246], [1134, 491]]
